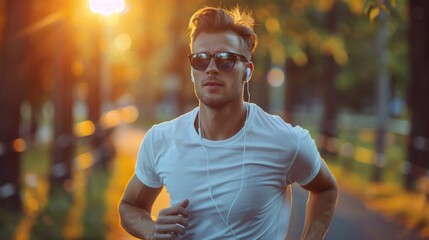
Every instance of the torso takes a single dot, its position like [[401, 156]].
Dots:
[[195, 164]]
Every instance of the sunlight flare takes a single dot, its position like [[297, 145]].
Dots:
[[107, 7]]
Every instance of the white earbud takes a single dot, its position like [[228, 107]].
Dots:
[[192, 76], [248, 74]]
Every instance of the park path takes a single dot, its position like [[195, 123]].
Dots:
[[352, 220]]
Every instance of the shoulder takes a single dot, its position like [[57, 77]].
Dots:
[[271, 122], [269, 126], [176, 123], [164, 130]]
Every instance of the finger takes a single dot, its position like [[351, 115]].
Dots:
[[169, 228], [171, 211], [176, 210], [182, 208], [177, 219], [165, 236], [184, 203]]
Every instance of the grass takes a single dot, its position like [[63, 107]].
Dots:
[[81, 212], [96, 205], [8, 223]]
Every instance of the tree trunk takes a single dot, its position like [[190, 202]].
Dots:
[[95, 97], [417, 163], [12, 81], [383, 89], [293, 77], [94, 82], [179, 84], [64, 140], [328, 123], [258, 86]]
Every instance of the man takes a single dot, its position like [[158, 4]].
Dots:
[[227, 164]]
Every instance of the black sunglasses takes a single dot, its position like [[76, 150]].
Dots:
[[225, 61]]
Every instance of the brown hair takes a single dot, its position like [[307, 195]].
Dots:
[[210, 19]]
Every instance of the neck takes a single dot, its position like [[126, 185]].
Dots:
[[221, 124]]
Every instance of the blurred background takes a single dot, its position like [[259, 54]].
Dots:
[[81, 81]]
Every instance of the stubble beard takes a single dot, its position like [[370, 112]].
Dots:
[[216, 101]]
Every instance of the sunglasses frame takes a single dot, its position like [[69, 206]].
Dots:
[[236, 57]]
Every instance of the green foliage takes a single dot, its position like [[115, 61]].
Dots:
[[93, 220], [8, 223], [51, 220], [36, 161]]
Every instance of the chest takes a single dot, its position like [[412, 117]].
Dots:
[[203, 174]]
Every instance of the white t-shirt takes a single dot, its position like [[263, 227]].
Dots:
[[276, 155]]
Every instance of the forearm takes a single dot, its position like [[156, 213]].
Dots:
[[319, 212], [136, 221]]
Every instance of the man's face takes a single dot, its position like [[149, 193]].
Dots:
[[214, 87]]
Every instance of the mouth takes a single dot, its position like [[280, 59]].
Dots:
[[212, 84]]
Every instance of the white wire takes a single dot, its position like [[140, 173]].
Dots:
[[208, 171], [248, 94], [242, 167]]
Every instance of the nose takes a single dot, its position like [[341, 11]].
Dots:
[[212, 67]]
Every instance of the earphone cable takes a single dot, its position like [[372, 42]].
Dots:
[[208, 171]]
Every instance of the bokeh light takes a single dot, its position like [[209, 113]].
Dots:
[[129, 114], [123, 42], [84, 160], [276, 77], [272, 25], [84, 128], [19, 145], [111, 119]]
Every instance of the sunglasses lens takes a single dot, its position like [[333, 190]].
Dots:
[[225, 61], [200, 61]]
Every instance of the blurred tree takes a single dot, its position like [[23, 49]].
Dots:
[[64, 141], [94, 75], [293, 89], [259, 88], [418, 148], [383, 91], [40, 37], [178, 65], [99, 141], [13, 77], [328, 124]]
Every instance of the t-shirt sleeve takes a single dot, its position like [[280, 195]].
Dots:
[[145, 167], [307, 161]]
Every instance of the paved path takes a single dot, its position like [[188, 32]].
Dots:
[[352, 221]]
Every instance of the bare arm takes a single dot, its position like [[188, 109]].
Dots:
[[321, 204], [135, 207]]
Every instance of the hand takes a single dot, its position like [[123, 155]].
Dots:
[[172, 221]]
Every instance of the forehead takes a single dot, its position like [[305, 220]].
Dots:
[[218, 41]]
